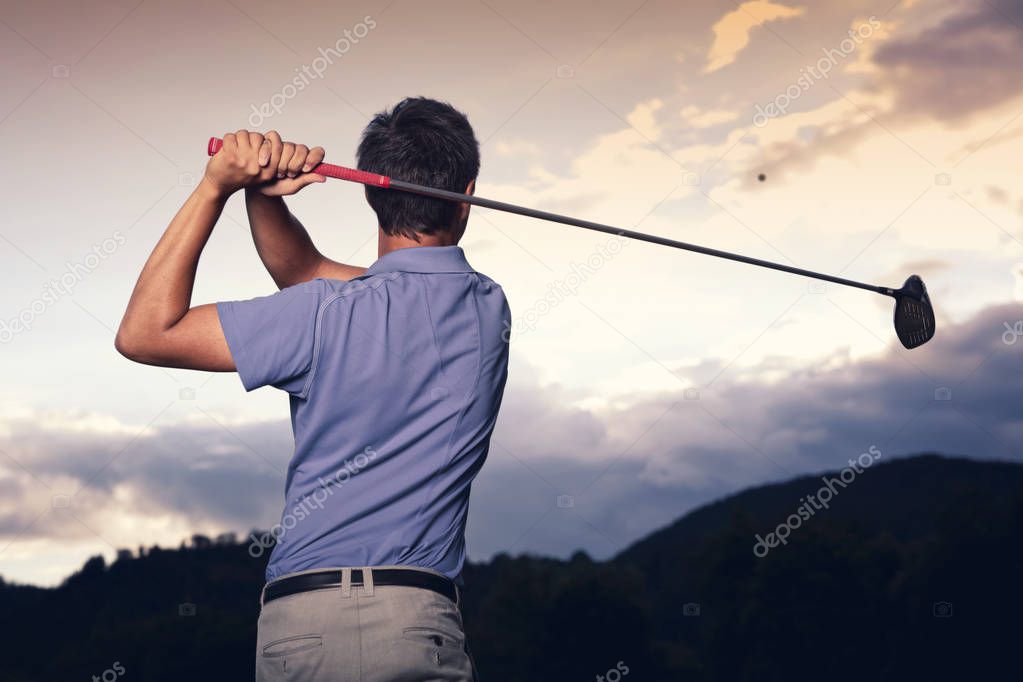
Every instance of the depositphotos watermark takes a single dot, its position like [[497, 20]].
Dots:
[[814, 73], [1012, 333], [110, 674], [304, 508], [560, 289], [55, 289], [811, 504], [307, 73], [614, 674]]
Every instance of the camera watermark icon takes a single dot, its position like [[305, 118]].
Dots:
[[439, 392], [186, 609], [942, 179], [614, 674], [110, 674], [186, 179], [186, 393], [564, 71], [943, 393], [565, 501], [60, 71], [691, 609], [942, 609], [691, 179], [59, 501], [815, 286], [691, 393], [1012, 332]]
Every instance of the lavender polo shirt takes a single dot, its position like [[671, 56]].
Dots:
[[395, 379]]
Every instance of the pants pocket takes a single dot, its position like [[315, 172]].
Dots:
[[292, 658], [434, 637], [426, 653], [292, 645]]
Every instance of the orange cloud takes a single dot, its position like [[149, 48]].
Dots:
[[732, 31]]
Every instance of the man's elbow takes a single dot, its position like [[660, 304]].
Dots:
[[132, 346], [125, 344]]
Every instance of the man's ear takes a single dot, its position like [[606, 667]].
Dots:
[[463, 208]]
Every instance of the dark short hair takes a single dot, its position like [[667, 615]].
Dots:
[[423, 141]]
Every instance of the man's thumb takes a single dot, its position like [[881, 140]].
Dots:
[[310, 178]]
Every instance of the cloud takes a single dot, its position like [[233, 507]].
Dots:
[[914, 88], [629, 467], [643, 118], [170, 479], [732, 31], [517, 147], [968, 62], [705, 118]]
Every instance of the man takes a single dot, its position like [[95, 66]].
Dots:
[[395, 374]]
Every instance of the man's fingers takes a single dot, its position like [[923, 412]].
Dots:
[[256, 146], [276, 148], [242, 137], [230, 144], [298, 160], [289, 186], [314, 159], [265, 151], [310, 178], [286, 153], [292, 185]]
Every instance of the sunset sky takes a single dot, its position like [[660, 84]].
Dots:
[[890, 133]]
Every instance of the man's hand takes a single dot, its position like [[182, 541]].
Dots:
[[274, 167], [241, 162], [290, 164]]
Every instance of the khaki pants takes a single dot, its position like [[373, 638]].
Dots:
[[366, 633]]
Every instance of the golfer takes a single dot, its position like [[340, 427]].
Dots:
[[395, 374]]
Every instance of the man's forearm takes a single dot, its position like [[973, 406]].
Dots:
[[163, 292], [285, 247]]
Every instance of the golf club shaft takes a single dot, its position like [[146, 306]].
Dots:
[[384, 182]]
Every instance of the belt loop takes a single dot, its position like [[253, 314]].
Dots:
[[346, 582], [367, 581], [262, 595]]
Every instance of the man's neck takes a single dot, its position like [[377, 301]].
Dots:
[[388, 242]]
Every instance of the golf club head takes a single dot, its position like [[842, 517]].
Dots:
[[914, 316]]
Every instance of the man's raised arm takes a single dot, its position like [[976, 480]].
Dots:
[[281, 241], [160, 326]]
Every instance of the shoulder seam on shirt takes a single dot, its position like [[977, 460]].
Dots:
[[479, 369], [433, 327], [336, 296]]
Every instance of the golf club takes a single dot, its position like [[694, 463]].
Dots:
[[914, 316]]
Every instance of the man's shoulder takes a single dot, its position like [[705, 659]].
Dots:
[[488, 280], [339, 288], [361, 288]]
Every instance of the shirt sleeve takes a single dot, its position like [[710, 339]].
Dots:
[[272, 338]]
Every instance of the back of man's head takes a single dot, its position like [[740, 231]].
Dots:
[[426, 142]]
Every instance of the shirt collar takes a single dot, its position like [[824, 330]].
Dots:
[[428, 259]]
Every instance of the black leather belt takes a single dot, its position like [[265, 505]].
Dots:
[[326, 580]]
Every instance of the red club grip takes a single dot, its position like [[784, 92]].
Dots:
[[327, 169]]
